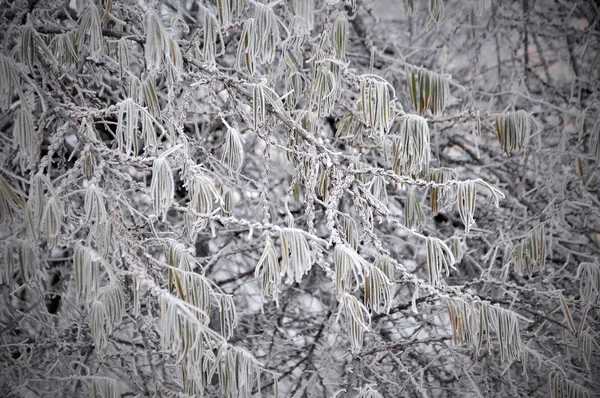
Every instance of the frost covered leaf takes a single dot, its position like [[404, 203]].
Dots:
[[439, 195], [52, 220], [340, 37], [267, 270], [457, 245], [156, 42], [89, 164], [259, 39], [586, 344], [436, 10], [160, 48], [529, 255], [349, 231], [86, 266], [567, 313], [378, 188], [323, 184], [25, 138], [357, 319], [350, 269], [262, 98], [513, 130], [238, 6], [64, 46], [464, 322], [8, 201], [103, 387], [466, 196], [106, 311], [104, 236], [11, 82], [505, 324], [127, 126], [296, 259], [233, 151], [376, 103], [413, 215], [267, 31], [378, 291], [183, 332], [111, 296], [26, 260], [427, 90], [439, 258], [325, 88], [90, 30], [368, 392], [95, 320], [224, 11], [305, 10], [227, 315], [202, 194], [212, 33], [411, 148], [28, 44], [351, 130], [561, 387], [94, 207], [123, 56], [595, 140], [191, 286], [227, 197], [149, 97], [386, 266], [179, 258], [238, 371], [475, 323], [162, 186], [248, 47], [589, 287]]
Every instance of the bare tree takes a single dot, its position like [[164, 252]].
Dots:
[[300, 198]]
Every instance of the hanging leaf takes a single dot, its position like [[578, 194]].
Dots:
[[357, 320], [529, 255], [440, 195], [589, 287], [350, 269], [561, 387], [11, 83], [25, 138], [233, 150], [267, 270], [238, 370], [340, 37], [467, 194], [513, 130], [162, 186], [436, 10], [413, 215], [227, 315], [411, 148], [427, 89], [376, 103], [439, 258], [378, 291], [8, 201]]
